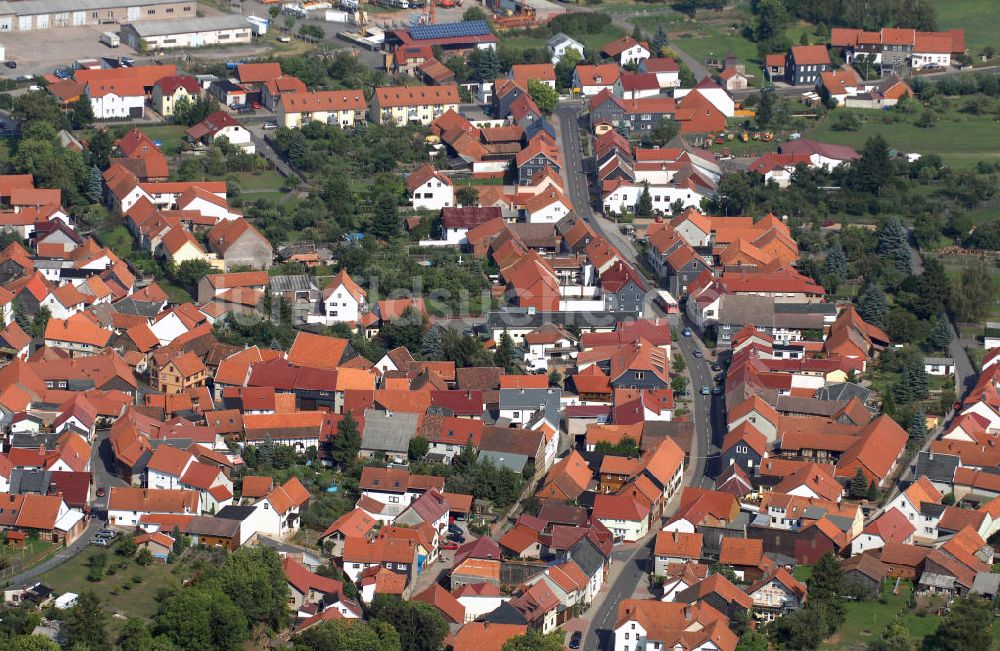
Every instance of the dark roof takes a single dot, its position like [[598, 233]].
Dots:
[[844, 391], [233, 512], [585, 554], [212, 526], [521, 318], [936, 466], [506, 614]]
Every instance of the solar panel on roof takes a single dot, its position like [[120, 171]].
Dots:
[[449, 30]]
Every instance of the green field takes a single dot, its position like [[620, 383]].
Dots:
[[867, 619], [592, 41], [953, 266], [168, 135], [136, 600], [711, 44], [961, 139], [979, 18]]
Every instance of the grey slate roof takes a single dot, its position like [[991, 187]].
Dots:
[[388, 431], [764, 311], [296, 283], [26, 480], [939, 361], [986, 583], [587, 556], [937, 467], [509, 460], [844, 391], [234, 512], [531, 400]]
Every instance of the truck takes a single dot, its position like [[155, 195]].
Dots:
[[110, 39]]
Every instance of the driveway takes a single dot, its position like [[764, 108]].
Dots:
[[28, 576]]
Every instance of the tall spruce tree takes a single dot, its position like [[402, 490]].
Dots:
[[95, 186], [873, 306], [918, 425], [385, 222], [893, 244], [858, 488], [942, 334], [835, 266], [504, 355], [432, 345]]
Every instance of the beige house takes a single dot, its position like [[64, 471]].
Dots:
[[345, 108], [404, 105], [168, 90]]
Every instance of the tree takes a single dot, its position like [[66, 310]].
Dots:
[[644, 206], [966, 626], [432, 345], [178, 547], [39, 106], [973, 293], [835, 265], [873, 306], [659, 41], [772, 20], [827, 580], [942, 333], [190, 272], [725, 570], [874, 169], [678, 383], [202, 618], [254, 579], [135, 636], [533, 640], [858, 487], [555, 378], [565, 67], [504, 355], [918, 425], [467, 196], [418, 449], [95, 187], [484, 64], [766, 108], [893, 244], [144, 557], [663, 132], [85, 622], [678, 364], [421, 627], [544, 96], [33, 643], [872, 491], [385, 222], [927, 118], [81, 113], [99, 149], [343, 635], [894, 638], [346, 445]]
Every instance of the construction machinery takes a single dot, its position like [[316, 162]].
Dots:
[[512, 14]]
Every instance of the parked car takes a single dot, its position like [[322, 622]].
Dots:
[[716, 391], [255, 106], [698, 354], [126, 61], [10, 64], [686, 332], [449, 545], [107, 534], [932, 66], [63, 72], [100, 542], [34, 87], [269, 126], [455, 529], [456, 537], [574, 640], [101, 492], [246, 110], [25, 77], [705, 391], [716, 367]]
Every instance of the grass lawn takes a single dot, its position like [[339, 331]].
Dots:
[[592, 41], [175, 293], [255, 181], [979, 19], [118, 239], [711, 44], [168, 135], [118, 593], [867, 619], [276, 195], [962, 140], [802, 572]]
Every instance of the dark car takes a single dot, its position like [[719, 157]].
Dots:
[[698, 354], [716, 391], [10, 64], [63, 73], [456, 537], [101, 492], [716, 367], [574, 640], [455, 529]]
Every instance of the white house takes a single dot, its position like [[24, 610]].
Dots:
[[717, 96], [777, 594], [278, 513], [207, 203], [559, 44], [479, 599], [429, 189], [547, 207], [909, 501], [118, 99], [624, 195], [626, 51], [166, 467], [222, 125], [168, 328], [667, 71], [942, 366], [891, 526], [343, 300]]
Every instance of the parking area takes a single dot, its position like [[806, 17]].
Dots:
[[42, 51]]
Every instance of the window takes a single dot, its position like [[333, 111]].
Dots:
[[393, 500], [170, 10], [151, 12]]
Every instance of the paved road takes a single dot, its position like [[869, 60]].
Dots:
[[708, 411]]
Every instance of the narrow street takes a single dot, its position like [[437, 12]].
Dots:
[[631, 563]]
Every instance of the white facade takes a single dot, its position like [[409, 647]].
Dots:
[[341, 306], [627, 530], [921, 59], [549, 214], [434, 194], [625, 197], [634, 54], [111, 106], [560, 48], [476, 605], [717, 96], [237, 136]]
